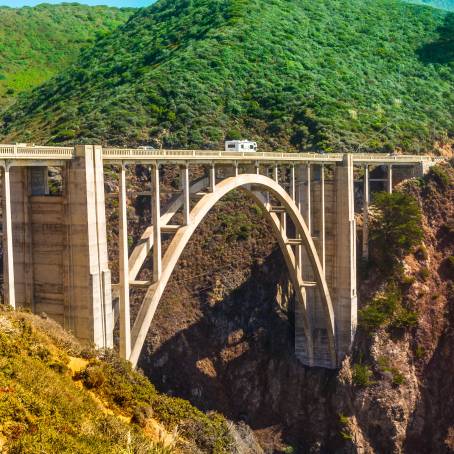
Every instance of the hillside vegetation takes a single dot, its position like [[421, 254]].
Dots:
[[63, 398], [332, 75], [36, 43]]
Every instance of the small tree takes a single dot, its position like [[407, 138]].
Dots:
[[396, 228]]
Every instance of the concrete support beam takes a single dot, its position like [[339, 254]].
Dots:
[[366, 202], [125, 321], [88, 304], [184, 175], [292, 189], [10, 294], [276, 174], [389, 181], [156, 219], [322, 218], [345, 301], [212, 177]]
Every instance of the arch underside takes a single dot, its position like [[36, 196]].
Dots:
[[259, 188]]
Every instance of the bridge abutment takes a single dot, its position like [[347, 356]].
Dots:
[[59, 246]]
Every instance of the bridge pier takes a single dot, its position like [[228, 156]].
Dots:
[[59, 246], [344, 285]]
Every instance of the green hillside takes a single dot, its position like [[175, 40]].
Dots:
[[298, 74], [57, 396], [36, 43], [443, 4]]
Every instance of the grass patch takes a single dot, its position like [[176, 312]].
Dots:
[[42, 404]]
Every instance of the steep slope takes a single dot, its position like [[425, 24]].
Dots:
[[57, 396], [222, 336], [448, 5], [298, 74], [36, 43]]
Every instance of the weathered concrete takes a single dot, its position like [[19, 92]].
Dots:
[[60, 248]]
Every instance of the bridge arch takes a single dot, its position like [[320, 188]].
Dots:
[[255, 186]]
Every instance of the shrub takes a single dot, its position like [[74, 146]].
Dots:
[[424, 273], [361, 375], [397, 377], [380, 311], [420, 352], [396, 229], [404, 318], [385, 310], [440, 175]]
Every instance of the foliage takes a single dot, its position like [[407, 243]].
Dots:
[[132, 393], [303, 75], [38, 42], [41, 404], [361, 375], [398, 377], [424, 273], [440, 175], [385, 310], [396, 229]]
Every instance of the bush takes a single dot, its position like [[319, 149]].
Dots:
[[380, 311], [404, 318], [440, 175], [397, 228], [424, 273], [386, 310], [398, 377], [361, 375]]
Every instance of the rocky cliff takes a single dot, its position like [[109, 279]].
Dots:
[[223, 335]]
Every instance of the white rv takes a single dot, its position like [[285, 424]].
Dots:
[[240, 145]]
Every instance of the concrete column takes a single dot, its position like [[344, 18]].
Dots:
[[299, 197], [125, 322], [304, 179], [212, 177], [345, 299], [292, 190], [156, 214], [389, 181], [184, 175], [322, 218], [276, 174], [257, 168], [10, 294], [88, 302], [366, 201]]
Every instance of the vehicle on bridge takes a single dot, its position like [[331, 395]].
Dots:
[[240, 145]]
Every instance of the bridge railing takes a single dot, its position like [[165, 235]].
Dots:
[[35, 152], [137, 154], [134, 153]]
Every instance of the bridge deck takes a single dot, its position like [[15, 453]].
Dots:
[[36, 155]]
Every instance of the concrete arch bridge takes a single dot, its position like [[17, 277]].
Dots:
[[55, 240]]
